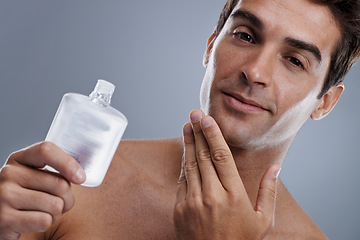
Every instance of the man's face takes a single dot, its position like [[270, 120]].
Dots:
[[266, 68]]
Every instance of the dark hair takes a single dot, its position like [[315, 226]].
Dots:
[[347, 14]]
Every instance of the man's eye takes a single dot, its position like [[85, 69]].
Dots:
[[296, 62], [245, 37]]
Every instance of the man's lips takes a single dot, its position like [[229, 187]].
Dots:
[[244, 103]]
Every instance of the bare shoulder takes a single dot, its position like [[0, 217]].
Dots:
[[291, 221], [141, 181], [156, 151], [158, 160]]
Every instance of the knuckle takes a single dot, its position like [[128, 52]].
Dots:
[[204, 154], [194, 204], [212, 202], [45, 148], [221, 155], [56, 206], [179, 209], [235, 197], [43, 222], [190, 165], [190, 206], [7, 172]]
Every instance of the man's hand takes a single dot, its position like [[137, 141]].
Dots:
[[32, 199], [212, 202]]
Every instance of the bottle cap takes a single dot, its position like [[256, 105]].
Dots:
[[104, 87], [102, 93]]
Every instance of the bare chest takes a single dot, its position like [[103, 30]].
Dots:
[[137, 209]]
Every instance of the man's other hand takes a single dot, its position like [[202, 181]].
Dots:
[[212, 202], [32, 199]]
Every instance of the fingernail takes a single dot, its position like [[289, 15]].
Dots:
[[207, 122], [80, 175], [195, 116], [187, 128]]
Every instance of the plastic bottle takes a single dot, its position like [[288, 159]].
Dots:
[[88, 129]]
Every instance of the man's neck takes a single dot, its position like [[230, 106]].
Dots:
[[252, 165]]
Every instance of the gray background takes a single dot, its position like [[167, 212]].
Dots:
[[152, 51]]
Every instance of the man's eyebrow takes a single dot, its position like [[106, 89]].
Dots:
[[254, 20], [305, 46]]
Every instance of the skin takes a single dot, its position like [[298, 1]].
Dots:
[[258, 65], [212, 202], [228, 159]]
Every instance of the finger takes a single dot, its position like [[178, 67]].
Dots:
[[46, 153], [27, 221], [34, 201], [208, 173], [192, 173], [221, 155], [265, 203], [40, 181], [181, 187]]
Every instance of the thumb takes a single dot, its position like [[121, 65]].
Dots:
[[265, 203]]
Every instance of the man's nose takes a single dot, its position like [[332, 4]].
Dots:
[[259, 68]]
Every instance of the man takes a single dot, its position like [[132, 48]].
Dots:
[[268, 68]]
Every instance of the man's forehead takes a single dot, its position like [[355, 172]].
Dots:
[[291, 6], [280, 3], [311, 22]]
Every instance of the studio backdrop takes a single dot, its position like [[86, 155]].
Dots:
[[152, 51]]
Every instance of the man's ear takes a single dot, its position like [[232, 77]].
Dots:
[[327, 102], [209, 47]]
